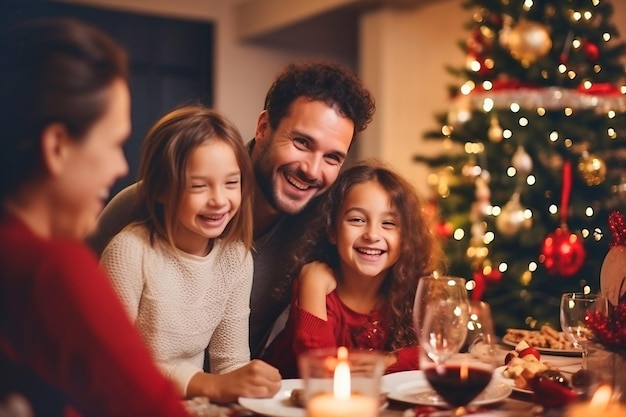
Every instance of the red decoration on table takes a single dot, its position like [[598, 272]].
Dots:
[[610, 329], [551, 394], [618, 228], [563, 252]]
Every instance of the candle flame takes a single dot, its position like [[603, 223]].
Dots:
[[464, 371], [602, 396], [341, 377]]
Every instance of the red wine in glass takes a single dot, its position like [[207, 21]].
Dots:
[[458, 385]]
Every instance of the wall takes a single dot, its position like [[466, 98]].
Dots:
[[402, 55], [243, 71]]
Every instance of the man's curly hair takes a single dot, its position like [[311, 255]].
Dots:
[[324, 81]]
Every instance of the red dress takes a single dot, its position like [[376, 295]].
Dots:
[[66, 343], [344, 327]]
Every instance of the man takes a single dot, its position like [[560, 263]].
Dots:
[[312, 113]]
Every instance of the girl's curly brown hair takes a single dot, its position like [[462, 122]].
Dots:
[[420, 250]]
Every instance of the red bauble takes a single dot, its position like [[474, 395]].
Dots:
[[562, 253], [481, 285], [444, 229], [591, 51]]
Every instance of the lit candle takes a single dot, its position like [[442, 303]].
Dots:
[[342, 402], [600, 405]]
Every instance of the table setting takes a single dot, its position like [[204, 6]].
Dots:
[[464, 369]]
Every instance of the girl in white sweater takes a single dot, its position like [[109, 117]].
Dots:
[[185, 271]]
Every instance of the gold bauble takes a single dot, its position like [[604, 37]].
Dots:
[[512, 218], [529, 41], [592, 169], [495, 131]]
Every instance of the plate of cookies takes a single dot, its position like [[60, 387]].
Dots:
[[546, 340]]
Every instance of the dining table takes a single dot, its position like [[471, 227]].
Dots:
[[518, 404]]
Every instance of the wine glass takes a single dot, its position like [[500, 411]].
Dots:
[[436, 288], [457, 352], [574, 307], [430, 289]]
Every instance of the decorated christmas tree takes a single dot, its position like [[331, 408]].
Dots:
[[538, 122]]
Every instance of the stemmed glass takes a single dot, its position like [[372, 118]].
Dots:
[[574, 307], [467, 329], [431, 289]]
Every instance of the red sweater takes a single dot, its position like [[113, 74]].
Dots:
[[66, 343], [344, 327]]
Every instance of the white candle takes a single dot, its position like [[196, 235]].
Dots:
[[327, 405], [600, 405], [342, 402]]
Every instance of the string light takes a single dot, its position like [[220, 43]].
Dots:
[[528, 4], [554, 136], [488, 104]]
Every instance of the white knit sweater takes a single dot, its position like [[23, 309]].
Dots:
[[183, 303]]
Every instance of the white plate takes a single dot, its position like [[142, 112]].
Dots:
[[571, 369], [548, 351], [413, 388], [279, 405], [509, 381]]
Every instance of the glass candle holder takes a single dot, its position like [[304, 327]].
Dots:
[[341, 382]]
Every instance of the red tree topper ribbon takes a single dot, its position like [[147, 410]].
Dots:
[[566, 192]]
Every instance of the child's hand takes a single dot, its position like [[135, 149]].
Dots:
[[317, 280], [256, 379]]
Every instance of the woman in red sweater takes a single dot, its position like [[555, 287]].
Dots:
[[362, 258], [66, 344]]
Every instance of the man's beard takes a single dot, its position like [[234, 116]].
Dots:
[[263, 173]]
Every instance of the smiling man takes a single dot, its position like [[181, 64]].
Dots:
[[312, 112]]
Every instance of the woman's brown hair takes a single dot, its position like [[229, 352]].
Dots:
[[51, 71]]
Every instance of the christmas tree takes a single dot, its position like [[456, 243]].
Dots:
[[539, 122]]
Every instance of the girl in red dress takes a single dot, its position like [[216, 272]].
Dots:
[[357, 269]]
